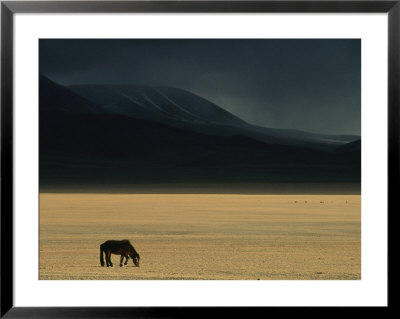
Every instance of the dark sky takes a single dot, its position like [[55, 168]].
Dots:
[[311, 85]]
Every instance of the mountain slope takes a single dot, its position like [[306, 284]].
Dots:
[[82, 142], [185, 110], [89, 147], [56, 98], [156, 103]]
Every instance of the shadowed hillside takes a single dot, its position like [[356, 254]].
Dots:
[[91, 135], [182, 109]]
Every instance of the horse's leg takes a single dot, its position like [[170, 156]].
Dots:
[[122, 259], [126, 261], [111, 264], [109, 258], [101, 255]]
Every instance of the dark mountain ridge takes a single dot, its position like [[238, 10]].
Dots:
[[182, 109], [99, 139]]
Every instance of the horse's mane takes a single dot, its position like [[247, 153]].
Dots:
[[131, 246]]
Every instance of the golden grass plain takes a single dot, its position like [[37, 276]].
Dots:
[[202, 236]]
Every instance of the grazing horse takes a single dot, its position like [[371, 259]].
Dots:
[[118, 247]]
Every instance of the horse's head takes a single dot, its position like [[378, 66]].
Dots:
[[136, 259]]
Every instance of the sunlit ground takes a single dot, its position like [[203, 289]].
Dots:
[[202, 236]]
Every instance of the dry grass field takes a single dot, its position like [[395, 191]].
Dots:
[[202, 236]]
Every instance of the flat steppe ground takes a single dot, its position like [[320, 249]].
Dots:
[[202, 236]]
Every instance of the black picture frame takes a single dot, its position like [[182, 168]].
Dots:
[[9, 8]]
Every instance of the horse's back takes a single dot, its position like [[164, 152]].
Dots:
[[117, 243]]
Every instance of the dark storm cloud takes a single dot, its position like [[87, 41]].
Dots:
[[312, 85]]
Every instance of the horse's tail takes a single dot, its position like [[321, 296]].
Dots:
[[101, 255]]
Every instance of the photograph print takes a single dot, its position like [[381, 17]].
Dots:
[[199, 159]]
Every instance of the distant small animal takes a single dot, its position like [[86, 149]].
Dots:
[[118, 247]]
